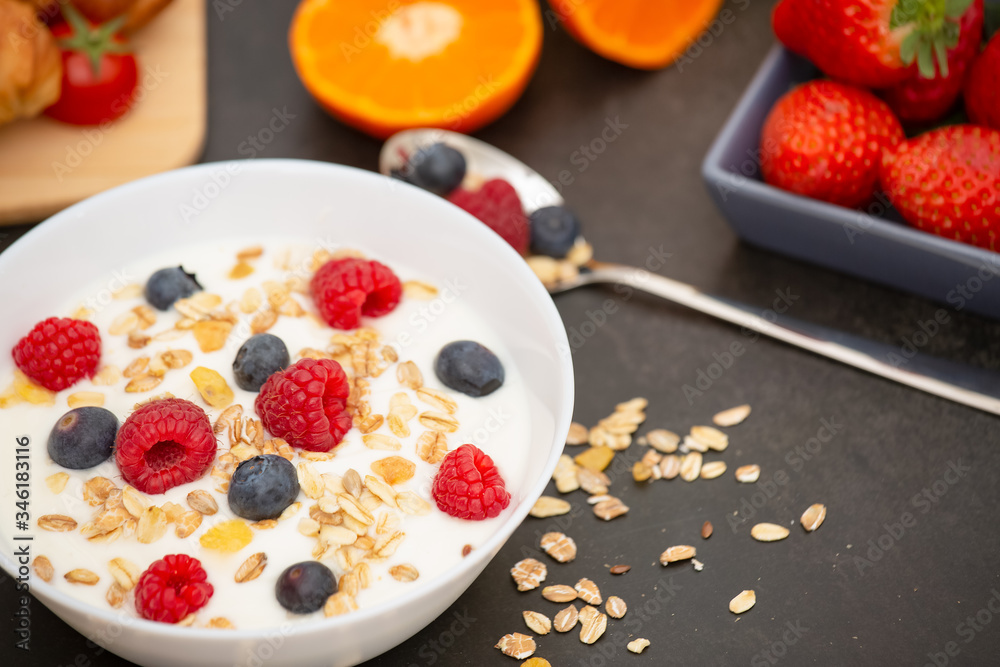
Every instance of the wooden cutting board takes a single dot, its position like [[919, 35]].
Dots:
[[46, 165]]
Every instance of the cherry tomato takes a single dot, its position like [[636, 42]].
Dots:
[[100, 74]]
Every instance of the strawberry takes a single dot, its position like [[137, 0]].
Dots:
[[825, 139], [947, 182], [870, 43], [982, 86], [922, 99]]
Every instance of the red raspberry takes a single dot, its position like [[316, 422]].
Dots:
[[468, 485], [58, 352], [163, 444], [346, 289], [496, 203], [171, 588], [306, 404]]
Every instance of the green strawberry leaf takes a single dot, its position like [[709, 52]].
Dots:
[[954, 9], [908, 49], [941, 51], [925, 60]]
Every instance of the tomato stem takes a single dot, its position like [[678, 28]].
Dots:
[[93, 41]]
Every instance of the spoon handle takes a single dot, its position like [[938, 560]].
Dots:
[[967, 385]]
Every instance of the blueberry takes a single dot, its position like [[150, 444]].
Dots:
[[470, 368], [262, 487], [83, 438], [167, 285], [259, 357], [553, 231], [438, 168], [304, 587]]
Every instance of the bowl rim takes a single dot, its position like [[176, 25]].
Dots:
[[715, 172], [285, 166]]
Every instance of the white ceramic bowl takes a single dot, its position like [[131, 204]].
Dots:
[[306, 200]]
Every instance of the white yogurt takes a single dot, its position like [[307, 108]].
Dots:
[[418, 329]]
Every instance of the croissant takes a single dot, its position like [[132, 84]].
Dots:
[[30, 64]]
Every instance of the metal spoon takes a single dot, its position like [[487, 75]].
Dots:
[[967, 385]]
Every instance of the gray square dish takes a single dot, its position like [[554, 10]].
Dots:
[[873, 244]]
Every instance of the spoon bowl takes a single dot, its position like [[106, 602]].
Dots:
[[480, 157], [963, 384]]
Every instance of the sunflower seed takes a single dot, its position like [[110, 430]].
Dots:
[[677, 553], [202, 501], [115, 595], [813, 517], [768, 532], [43, 568], [615, 607], [251, 568], [516, 645], [748, 474], [57, 523], [547, 506], [559, 593], [743, 602], [536, 622], [528, 574], [638, 645], [566, 619], [81, 576]]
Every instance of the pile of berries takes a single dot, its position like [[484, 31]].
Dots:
[[441, 169], [841, 141]]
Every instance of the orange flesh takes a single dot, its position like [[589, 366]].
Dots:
[[338, 54], [647, 34]]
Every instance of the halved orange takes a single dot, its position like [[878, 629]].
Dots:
[[645, 34], [387, 66]]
